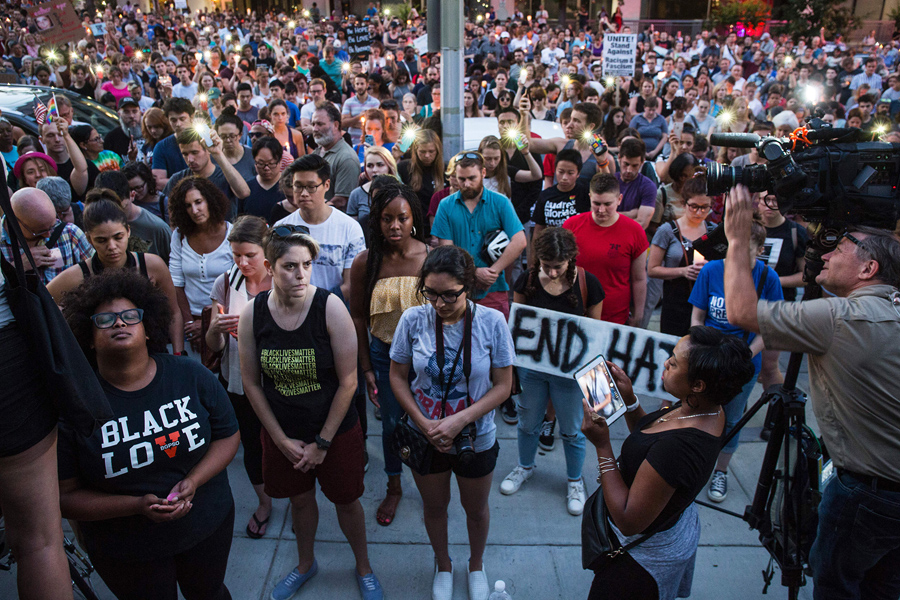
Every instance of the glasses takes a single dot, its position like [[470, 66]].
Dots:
[[43, 233], [447, 297], [139, 187], [255, 134], [299, 187], [855, 240], [229, 137], [699, 207], [96, 140], [266, 165], [286, 231], [105, 320]]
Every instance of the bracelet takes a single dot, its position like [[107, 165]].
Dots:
[[603, 164], [633, 407]]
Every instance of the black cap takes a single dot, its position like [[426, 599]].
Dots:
[[128, 100]]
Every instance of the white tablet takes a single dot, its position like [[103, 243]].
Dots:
[[600, 389]]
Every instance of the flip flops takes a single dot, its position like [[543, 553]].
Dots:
[[260, 527]]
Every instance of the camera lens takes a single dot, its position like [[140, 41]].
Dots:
[[721, 178]]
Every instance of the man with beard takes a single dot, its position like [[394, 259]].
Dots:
[[460, 219], [586, 118], [344, 162], [121, 140]]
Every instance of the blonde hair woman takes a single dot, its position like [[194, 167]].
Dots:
[[376, 161], [424, 171]]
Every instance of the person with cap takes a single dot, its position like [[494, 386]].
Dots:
[[55, 245], [124, 139]]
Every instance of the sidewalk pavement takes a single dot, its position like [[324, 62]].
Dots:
[[534, 544]]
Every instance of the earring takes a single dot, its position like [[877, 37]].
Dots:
[[414, 231]]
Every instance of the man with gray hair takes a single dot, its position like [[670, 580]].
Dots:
[[850, 339], [61, 196], [55, 245]]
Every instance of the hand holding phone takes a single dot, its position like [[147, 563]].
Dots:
[[598, 146]]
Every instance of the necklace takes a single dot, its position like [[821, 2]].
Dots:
[[664, 420]]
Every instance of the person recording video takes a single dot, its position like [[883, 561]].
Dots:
[[850, 339]]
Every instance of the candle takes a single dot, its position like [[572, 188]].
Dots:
[[693, 256]]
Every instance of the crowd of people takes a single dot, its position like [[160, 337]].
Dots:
[[273, 236]]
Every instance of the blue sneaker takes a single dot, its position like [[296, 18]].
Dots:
[[369, 587], [291, 584]]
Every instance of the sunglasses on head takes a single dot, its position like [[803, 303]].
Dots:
[[286, 231]]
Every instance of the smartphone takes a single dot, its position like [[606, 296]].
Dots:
[[370, 140], [56, 255], [406, 141], [599, 388], [677, 129], [598, 146], [520, 141]]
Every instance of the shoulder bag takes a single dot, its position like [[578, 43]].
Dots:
[[70, 378], [411, 445]]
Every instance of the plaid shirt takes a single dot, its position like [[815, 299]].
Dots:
[[73, 245]]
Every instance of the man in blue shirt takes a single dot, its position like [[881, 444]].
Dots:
[[167, 158], [464, 218]]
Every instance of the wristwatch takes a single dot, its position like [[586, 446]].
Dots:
[[322, 443]]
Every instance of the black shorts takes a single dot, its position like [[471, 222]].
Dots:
[[483, 464], [29, 413]]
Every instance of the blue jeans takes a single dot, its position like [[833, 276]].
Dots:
[[857, 549], [734, 410], [537, 390], [380, 356]]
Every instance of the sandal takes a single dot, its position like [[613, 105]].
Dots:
[[388, 508], [260, 527]]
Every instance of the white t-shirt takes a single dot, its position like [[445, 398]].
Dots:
[[340, 239], [184, 91]]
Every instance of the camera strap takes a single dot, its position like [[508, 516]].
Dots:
[[465, 349]]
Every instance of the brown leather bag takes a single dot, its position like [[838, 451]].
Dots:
[[210, 359]]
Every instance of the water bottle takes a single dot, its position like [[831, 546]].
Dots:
[[499, 592]]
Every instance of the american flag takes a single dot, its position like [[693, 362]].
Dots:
[[40, 111]]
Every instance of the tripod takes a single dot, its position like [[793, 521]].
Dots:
[[783, 510]]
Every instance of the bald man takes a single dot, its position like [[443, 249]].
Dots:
[[55, 245]]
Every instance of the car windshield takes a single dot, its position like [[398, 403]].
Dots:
[[21, 99]]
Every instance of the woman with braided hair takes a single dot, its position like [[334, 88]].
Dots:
[[554, 283], [383, 280]]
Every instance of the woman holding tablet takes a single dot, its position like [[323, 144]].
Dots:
[[665, 462], [556, 284]]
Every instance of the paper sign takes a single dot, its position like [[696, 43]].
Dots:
[[619, 53], [98, 29], [421, 44], [358, 41], [560, 344], [57, 22], [181, 4]]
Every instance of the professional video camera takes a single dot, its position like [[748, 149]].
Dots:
[[830, 177]]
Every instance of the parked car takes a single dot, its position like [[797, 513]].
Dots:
[[17, 106]]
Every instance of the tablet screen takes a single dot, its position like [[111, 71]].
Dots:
[[597, 384]]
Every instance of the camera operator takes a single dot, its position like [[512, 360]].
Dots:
[[850, 339]]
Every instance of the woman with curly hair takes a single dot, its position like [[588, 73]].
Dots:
[[554, 283], [199, 251], [149, 488], [383, 283], [106, 226]]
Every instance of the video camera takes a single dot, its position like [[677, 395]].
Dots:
[[830, 177]]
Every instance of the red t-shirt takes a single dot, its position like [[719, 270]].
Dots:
[[607, 253]]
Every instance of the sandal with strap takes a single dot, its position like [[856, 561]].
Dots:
[[260, 527], [388, 508]]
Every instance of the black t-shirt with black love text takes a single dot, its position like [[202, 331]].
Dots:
[[554, 207], [158, 435]]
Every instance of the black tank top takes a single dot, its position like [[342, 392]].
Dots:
[[130, 263], [298, 373]]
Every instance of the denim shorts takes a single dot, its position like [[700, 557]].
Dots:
[[482, 465]]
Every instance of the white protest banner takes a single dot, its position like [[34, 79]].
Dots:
[[181, 4], [619, 52], [421, 44], [560, 343]]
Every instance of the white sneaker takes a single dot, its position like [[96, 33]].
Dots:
[[514, 480], [442, 588], [478, 585], [576, 497]]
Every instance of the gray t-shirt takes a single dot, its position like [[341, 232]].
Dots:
[[154, 230], [246, 166], [414, 344], [666, 239], [358, 208]]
